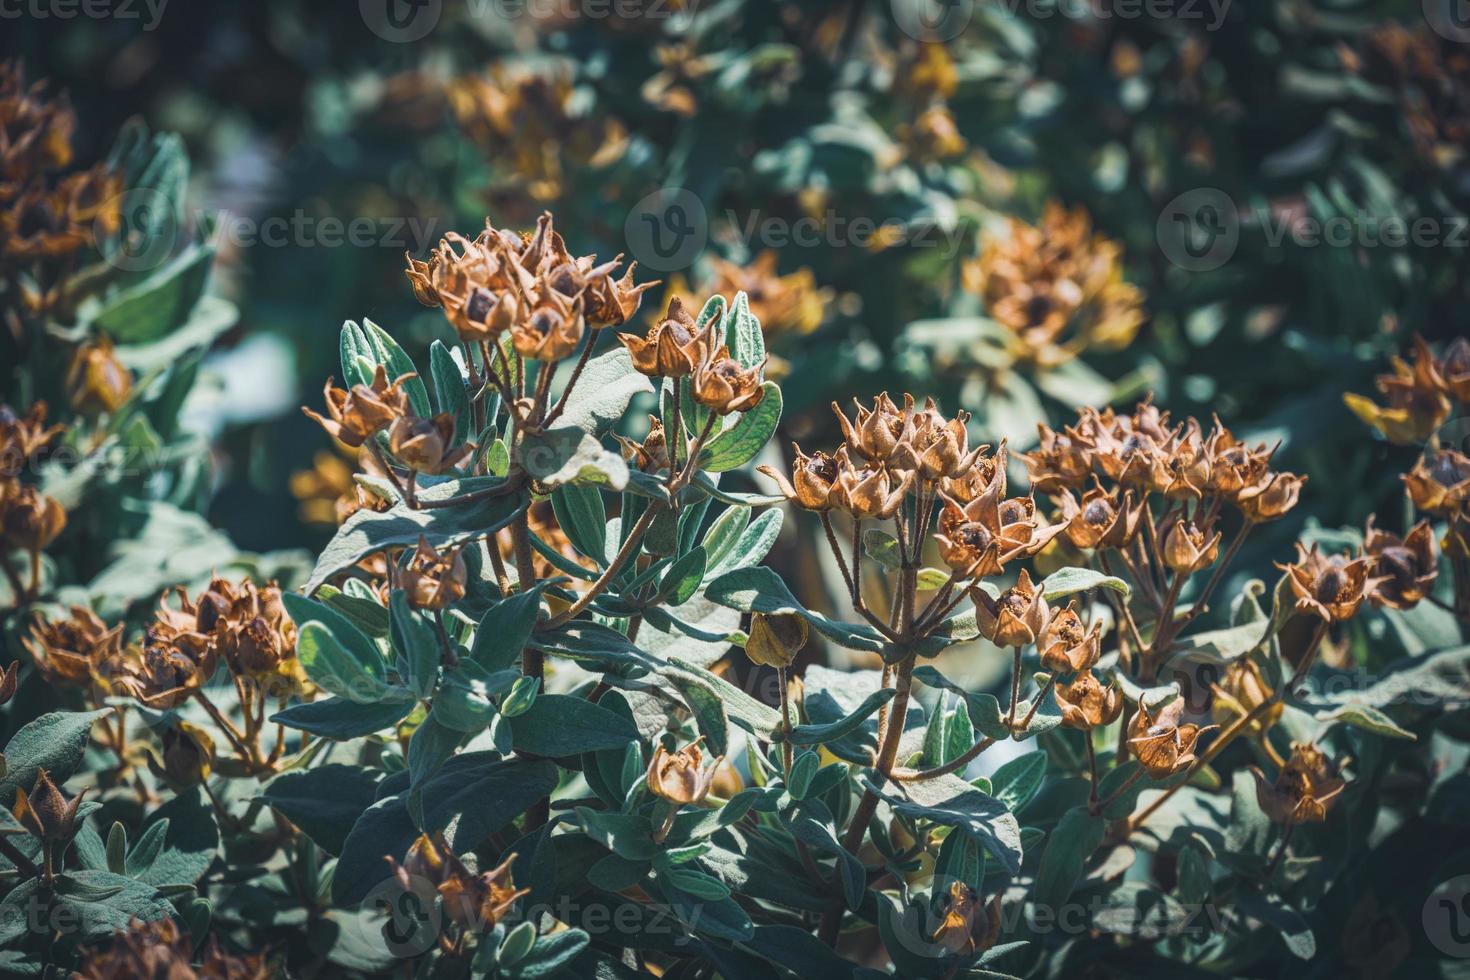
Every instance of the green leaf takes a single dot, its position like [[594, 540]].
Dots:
[[754, 716], [1366, 717], [626, 835], [551, 955], [449, 389], [985, 712], [581, 514], [607, 385], [820, 734], [505, 629], [951, 802], [384, 830], [341, 719], [723, 534], [367, 531], [477, 793], [416, 642], [882, 547], [682, 579], [521, 697], [562, 725], [696, 883], [1222, 645], [517, 944], [743, 333], [738, 445], [1281, 920], [1071, 580], [570, 455], [153, 308], [704, 484], [753, 545], [87, 918], [614, 873], [800, 777], [393, 358], [335, 669], [54, 742], [1115, 780], [466, 697], [368, 615], [1076, 836], [1017, 781], [760, 589], [323, 802]]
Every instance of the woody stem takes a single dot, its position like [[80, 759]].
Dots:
[[1036, 705], [1015, 689], [1091, 770], [533, 662], [1103, 804], [786, 750], [1280, 849], [1201, 603], [566, 393], [953, 765]]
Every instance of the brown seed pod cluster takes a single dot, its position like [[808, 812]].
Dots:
[[1057, 288], [46, 216], [676, 346], [160, 948], [474, 902], [1417, 393]]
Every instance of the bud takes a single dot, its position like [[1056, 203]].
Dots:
[[188, 756], [678, 776], [97, 382], [776, 638], [45, 811]]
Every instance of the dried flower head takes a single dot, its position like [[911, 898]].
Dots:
[[1086, 704], [1241, 690], [472, 901], [1104, 519], [1401, 570], [776, 638], [1057, 287], [792, 303], [1061, 460], [1329, 586], [426, 445], [1440, 483], [45, 810], [652, 454], [1161, 744], [187, 756], [161, 950], [96, 381], [1271, 497], [869, 491], [1066, 646], [70, 651], [673, 348], [815, 476], [30, 520], [968, 927], [434, 579], [680, 777], [1016, 618], [1303, 791], [23, 438], [1187, 547], [723, 386], [358, 413], [1454, 369], [1415, 403]]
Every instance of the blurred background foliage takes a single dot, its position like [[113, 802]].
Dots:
[[1020, 175]]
